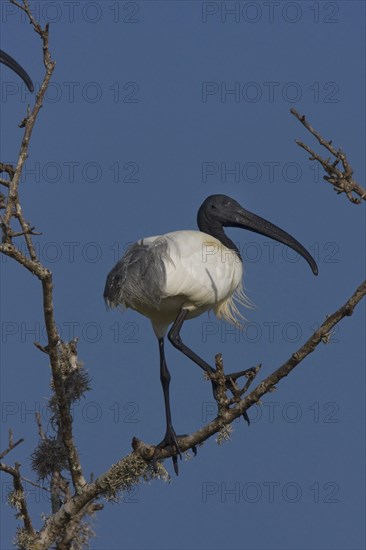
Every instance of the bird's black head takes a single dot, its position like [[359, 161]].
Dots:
[[219, 211]]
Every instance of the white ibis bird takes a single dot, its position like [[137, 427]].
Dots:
[[10, 62], [177, 276]]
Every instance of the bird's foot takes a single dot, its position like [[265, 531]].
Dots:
[[230, 379], [171, 439], [231, 384]]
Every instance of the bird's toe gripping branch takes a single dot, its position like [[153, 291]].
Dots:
[[222, 382], [171, 439]]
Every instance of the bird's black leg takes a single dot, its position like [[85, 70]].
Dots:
[[170, 438], [175, 339]]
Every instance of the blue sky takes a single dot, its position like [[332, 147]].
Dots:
[[139, 126]]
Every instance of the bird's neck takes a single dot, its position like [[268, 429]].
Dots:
[[218, 232]]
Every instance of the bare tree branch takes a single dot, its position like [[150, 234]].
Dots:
[[13, 209], [40, 427], [8, 168], [341, 180], [11, 445], [18, 496], [31, 482]]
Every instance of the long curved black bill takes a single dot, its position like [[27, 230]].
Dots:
[[10, 62], [252, 222]]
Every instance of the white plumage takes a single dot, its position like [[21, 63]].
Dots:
[[201, 275]]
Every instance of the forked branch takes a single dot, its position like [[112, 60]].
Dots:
[[341, 179]]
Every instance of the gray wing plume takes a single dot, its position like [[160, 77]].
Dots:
[[138, 279]]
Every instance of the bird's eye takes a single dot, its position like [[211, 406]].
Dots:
[[213, 206]]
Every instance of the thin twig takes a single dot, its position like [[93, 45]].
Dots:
[[11, 445], [36, 484], [341, 180], [40, 427]]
